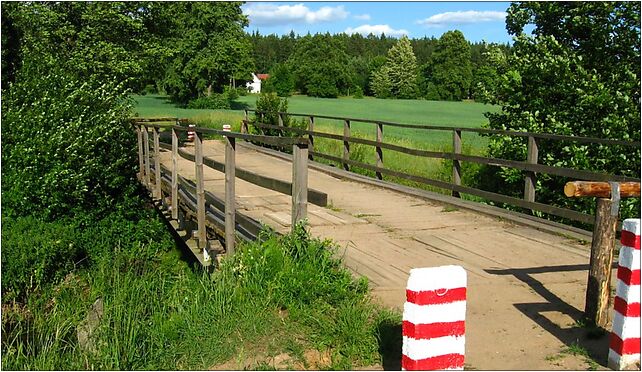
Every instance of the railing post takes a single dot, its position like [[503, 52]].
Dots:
[[529, 178], [379, 150], [141, 161], [158, 193], [147, 165], [200, 194], [456, 163], [299, 183], [174, 174], [598, 288], [244, 128], [230, 205], [346, 144], [311, 137]]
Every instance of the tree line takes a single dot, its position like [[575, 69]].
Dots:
[[325, 65]]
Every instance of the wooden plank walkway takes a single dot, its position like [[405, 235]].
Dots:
[[526, 287]]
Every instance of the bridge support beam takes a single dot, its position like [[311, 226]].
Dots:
[[299, 183], [141, 160], [158, 193], [146, 148], [200, 195], [174, 174], [230, 203]]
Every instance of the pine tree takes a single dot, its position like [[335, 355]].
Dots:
[[398, 77]]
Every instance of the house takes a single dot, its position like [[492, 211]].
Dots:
[[255, 85]]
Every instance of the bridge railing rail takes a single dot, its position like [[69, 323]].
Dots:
[[183, 191], [531, 166]]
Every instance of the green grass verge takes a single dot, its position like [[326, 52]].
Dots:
[[278, 295]]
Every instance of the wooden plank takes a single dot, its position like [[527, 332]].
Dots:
[[529, 177], [174, 174], [311, 137], [600, 189], [456, 163], [230, 207], [379, 150], [268, 140], [157, 190], [299, 184], [141, 160], [346, 144], [200, 191], [598, 289]]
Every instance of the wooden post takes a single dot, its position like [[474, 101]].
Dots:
[[311, 137], [280, 115], [346, 144], [598, 289], [141, 161], [244, 128], [230, 206], [299, 183], [174, 174], [147, 166], [200, 194], [456, 163], [158, 194], [379, 150], [600, 189], [529, 178]]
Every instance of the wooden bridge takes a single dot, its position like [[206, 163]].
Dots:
[[527, 276]]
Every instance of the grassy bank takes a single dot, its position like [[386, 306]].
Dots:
[[286, 297]]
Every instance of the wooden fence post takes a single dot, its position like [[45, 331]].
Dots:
[[244, 128], [311, 137], [456, 163], [346, 144], [280, 115], [379, 150], [200, 194], [158, 193], [299, 183], [529, 178], [230, 204], [147, 165], [141, 161], [598, 288], [174, 174]]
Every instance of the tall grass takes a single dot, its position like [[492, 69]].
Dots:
[[279, 294]]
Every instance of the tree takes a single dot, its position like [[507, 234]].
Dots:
[[492, 64], [210, 49], [449, 68], [398, 77], [321, 66], [281, 80], [577, 75]]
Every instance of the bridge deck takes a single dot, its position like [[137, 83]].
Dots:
[[525, 287]]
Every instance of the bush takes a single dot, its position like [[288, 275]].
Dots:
[[215, 101], [358, 93]]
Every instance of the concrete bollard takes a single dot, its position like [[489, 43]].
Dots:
[[624, 348], [434, 319]]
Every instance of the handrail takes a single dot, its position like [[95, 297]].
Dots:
[[561, 137]]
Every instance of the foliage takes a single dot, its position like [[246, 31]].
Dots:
[[321, 67], [209, 49], [398, 77], [212, 102], [486, 77], [449, 68], [358, 93], [578, 75], [281, 81]]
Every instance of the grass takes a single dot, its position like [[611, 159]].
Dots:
[[277, 295]]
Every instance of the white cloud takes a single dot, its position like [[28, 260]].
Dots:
[[376, 30], [362, 17], [460, 18], [271, 15]]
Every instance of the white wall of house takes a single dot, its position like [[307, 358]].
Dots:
[[255, 85]]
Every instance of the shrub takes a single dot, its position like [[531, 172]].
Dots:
[[358, 93], [215, 101]]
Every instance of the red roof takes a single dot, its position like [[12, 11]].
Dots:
[[262, 76]]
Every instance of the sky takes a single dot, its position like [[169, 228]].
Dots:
[[479, 21]]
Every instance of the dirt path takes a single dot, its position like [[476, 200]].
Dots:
[[525, 287]]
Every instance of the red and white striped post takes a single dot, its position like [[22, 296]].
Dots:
[[624, 348], [190, 132], [434, 319], [227, 128]]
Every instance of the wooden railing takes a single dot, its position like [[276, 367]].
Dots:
[[530, 167], [191, 201]]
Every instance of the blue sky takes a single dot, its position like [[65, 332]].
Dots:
[[477, 20]]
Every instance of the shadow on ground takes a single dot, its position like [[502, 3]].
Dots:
[[390, 341], [594, 340]]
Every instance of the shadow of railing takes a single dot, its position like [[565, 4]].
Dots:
[[594, 340]]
